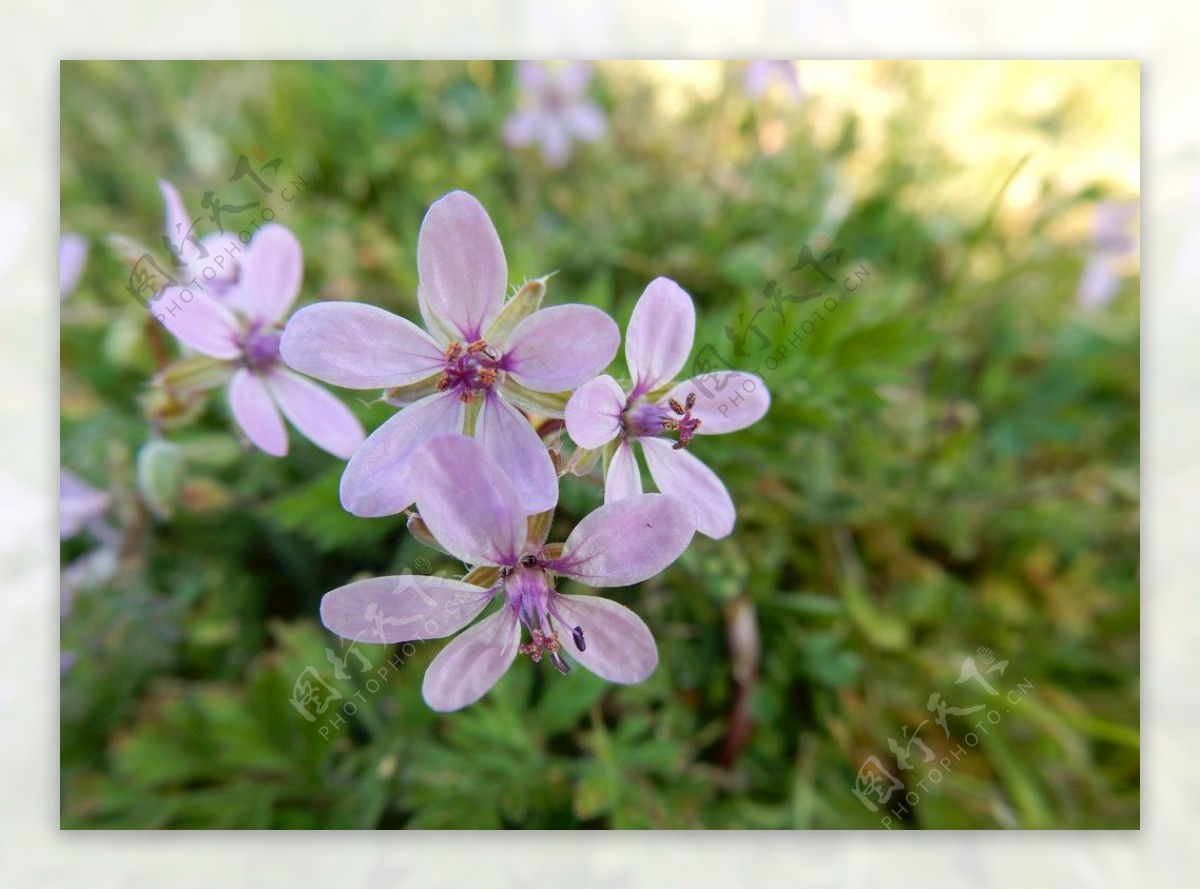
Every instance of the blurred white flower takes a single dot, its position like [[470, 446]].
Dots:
[[555, 110]]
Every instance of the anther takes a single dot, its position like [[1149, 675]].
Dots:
[[577, 635], [528, 560]]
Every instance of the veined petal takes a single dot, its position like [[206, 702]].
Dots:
[[627, 542], [561, 348], [593, 414], [271, 273], [467, 501], [660, 334], [461, 266], [472, 663], [378, 480], [198, 321], [256, 414], [623, 479], [398, 608], [506, 435], [742, 401], [359, 346], [617, 644], [319, 415], [678, 473]]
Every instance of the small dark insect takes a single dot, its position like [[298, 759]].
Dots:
[[528, 560], [580, 644]]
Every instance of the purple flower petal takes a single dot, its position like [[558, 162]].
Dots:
[[532, 76], [593, 413], [742, 403], [506, 435], [522, 128], [199, 321], [585, 120], [660, 334], [72, 255], [359, 346], [398, 608], [623, 479], [271, 274], [78, 504], [678, 473], [461, 266], [573, 78], [378, 481], [178, 224], [467, 501], [554, 141], [627, 542], [617, 644], [472, 663], [316, 413], [256, 414], [560, 348]]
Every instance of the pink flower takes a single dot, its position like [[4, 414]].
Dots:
[[218, 253], [243, 329], [461, 375], [555, 110], [72, 255], [476, 514], [78, 504], [1113, 245], [761, 72], [657, 343]]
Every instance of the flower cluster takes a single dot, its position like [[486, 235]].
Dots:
[[483, 389]]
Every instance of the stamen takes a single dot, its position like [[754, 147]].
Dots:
[[469, 370], [577, 635], [559, 663], [529, 560]]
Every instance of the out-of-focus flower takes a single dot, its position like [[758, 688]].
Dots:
[[78, 504], [657, 343], [242, 331], [480, 357], [475, 513], [761, 73], [554, 110], [72, 255], [212, 263], [1113, 245]]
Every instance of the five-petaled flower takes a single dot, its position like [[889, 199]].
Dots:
[[555, 110], [480, 354], [476, 514], [657, 344], [242, 329]]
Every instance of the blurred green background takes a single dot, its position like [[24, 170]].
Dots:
[[949, 469]]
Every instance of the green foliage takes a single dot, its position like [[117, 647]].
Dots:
[[950, 462]]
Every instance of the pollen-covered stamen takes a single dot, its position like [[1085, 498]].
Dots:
[[686, 425], [648, 421], [471, 370], [260, 346]]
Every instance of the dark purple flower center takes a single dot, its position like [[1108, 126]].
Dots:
[[657, 420], [530, 594], [261, 346], [469, 371]]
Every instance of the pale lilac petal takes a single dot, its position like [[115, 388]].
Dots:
[[319, 415], [593, 413], [741, 403], [561, 348], [531, 76], [378, 480], [225, 255], [72, 255], [554, 141], [461, 266], [178, 225], [271, 274], [199, 321], [623, 479], [359, 346], [522, 128], [617, 644], [472, 663], [399, 608], [678, 473], [506, 435], [1099, 283], [757, 78], [78, 504], [256, 414], [660, 334], [585, 120], [627, 542], [467, 502], [573, 78]]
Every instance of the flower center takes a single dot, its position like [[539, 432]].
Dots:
[[261, 347], [530, 594], [469, 371], [647, 421]]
